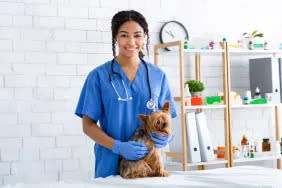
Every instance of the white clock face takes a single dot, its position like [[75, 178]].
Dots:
[[173, 31]]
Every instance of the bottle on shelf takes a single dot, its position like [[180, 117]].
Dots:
[[252, 154], [281, 146], [265, 145], [246, 100], [245, 147], [187, 95], [258, 146], [244, 141], [275, 147], [250, 45], [265, 45], [186, 43], [257, 93]]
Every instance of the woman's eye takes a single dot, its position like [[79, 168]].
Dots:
[[138, 36]]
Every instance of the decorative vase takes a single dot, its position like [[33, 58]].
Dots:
[[196, 94]]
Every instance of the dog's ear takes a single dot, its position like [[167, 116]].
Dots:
[[166, 107], [144, 118]]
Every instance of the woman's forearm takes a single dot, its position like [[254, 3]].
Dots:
[[91, 129]]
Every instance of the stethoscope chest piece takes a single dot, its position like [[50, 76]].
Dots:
[[151, 104]]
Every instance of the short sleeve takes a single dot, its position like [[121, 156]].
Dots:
[[165, 95], [90, 102]]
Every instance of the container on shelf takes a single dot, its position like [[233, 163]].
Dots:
[[266, 145], [281, 146], [213, 100], [196, 101], [258, 146], [244, 141], [257, 94], [245, 147], [275, 148], [187, 95], [220, 152]]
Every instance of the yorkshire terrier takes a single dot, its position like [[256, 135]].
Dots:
[[151, 165]]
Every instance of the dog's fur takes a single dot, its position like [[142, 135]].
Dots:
[[151, 165]]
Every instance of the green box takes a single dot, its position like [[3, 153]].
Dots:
[[259, 101], [213, 100], [258, 46]]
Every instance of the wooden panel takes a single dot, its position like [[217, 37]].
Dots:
[[174, 154], [277, 129]]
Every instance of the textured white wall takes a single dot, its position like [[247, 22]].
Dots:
[[47, 47]]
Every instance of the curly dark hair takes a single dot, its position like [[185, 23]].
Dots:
[[124, 16]]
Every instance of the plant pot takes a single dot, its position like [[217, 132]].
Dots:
[[196, 94], [245, 42]]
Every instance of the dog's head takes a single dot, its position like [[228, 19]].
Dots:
[[159, 121]]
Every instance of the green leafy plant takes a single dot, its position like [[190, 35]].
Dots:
[[195, 85], [253, 35]]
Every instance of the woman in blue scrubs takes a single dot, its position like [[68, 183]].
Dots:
[[117, 91]]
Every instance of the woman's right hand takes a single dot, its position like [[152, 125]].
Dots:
[[130, 150]]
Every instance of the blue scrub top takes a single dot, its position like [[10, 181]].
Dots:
[[119, 119]]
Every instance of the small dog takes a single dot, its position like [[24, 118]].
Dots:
[[151, 165]]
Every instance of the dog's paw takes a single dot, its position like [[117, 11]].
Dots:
[[164, 174]]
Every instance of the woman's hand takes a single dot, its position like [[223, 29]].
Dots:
[[130, 150], [161, 141]]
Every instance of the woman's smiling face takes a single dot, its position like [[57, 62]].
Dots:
[[130, 39]]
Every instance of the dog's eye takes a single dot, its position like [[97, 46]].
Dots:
[[158, 122]]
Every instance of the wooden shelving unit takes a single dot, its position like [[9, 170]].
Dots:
[[227, 107], [181, 99]]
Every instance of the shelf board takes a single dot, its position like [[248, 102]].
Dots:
[[253, 52], [232, 52], [217, 161], [205, 107], [255, 105], [262, 158], [203, 52]]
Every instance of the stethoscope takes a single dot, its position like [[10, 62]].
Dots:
[[150, 104]]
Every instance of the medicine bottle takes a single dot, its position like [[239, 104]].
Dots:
[[257, 93], [187, 96], [245, 146], [186, 43], [250, 45], [281, 146], [244, 141], [265, 145], [245, 100]]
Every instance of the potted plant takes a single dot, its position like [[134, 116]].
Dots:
[[251, 39], [195, 87]]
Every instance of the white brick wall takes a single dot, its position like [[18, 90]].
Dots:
[[5, 20], [47, 47]]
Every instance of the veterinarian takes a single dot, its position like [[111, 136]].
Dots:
[[117, 91]]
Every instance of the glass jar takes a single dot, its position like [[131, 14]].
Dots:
[[265, 145]]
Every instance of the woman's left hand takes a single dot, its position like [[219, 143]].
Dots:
[[161, 141]]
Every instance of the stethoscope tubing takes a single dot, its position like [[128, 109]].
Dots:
[[116, 73]]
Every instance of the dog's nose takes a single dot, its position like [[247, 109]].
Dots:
[[163, 125]]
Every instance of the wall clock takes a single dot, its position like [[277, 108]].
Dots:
[[173, 31]]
